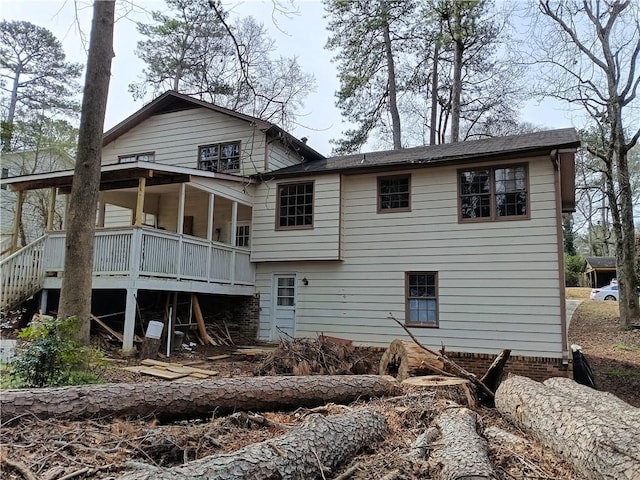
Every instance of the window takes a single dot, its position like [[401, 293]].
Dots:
[[422, 299], [394, 194], [219, 157], [137, 157], [5, 174], [295, 206], [499, 193], [286, 291], [242, 236]]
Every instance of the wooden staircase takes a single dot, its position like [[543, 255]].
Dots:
[[22, 274]]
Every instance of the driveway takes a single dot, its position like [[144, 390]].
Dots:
[[571, 306]]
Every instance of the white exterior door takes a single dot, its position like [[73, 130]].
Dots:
[[284, 310]]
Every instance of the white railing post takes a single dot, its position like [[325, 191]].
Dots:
[[212, 199], [180, 222]]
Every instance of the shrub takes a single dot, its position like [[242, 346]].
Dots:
[[574, 267], [51, 357]]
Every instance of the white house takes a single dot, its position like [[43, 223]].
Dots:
[[462, 242]]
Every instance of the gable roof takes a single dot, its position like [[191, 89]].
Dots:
[[601, 262], [172, 101], [472, 150]]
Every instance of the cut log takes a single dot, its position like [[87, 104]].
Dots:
[[198, 398], [405, 359], [150, 348], [458, 390], [596, 444], [321, 443], [460, 454], [602, 402]]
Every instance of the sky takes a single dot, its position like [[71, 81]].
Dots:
[[302, 34]]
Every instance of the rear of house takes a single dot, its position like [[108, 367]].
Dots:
[[460, 242]]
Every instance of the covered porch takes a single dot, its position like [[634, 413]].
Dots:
[[157, 228]]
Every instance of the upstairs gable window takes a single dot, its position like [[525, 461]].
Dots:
[[295, 206], [498, 193], [219, 157], [394, 193], [137, 157]]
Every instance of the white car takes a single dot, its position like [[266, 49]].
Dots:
[[608, 292]]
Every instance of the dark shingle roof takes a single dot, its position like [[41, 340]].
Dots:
[[437, 154], [601, 262]]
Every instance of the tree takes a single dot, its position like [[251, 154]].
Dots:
[[194, 50], [34, 72], [368, 36], [39, 144], [75, 294], [596, 68]]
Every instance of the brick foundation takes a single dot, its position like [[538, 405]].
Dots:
[[536, 368], [240, 315]]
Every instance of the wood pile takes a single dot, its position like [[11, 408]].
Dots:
[[170, 371], [320, 356]]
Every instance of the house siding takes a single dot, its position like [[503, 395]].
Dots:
[[175, 137], [498, 281], [318, 243], [279, 156]]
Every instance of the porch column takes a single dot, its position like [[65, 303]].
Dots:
[[17, 219], [234, 223], [234, 228], [102, 211], [137, 221], [212, 198], [180, 223], [44, 295], [52, 209], [129, 320]]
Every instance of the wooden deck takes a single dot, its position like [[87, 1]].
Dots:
[[133, 257]]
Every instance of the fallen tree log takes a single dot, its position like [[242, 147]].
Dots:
[[602, 402], [174, 400], [458, 390], [310, 451], [460, 454], [594, 443], [405, 359]]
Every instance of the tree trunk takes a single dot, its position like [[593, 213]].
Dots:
[[456, 88], [461, 453], [175, 400], [75, 294], [458, 390], [603, 403], [596, 444], [393, 101], [405, 359], [319, 444], [434, 89]]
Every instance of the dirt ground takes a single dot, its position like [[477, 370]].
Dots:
[[104, 448], [613, 355]]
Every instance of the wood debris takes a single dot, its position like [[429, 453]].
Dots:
[[303, 356], [170, 371]]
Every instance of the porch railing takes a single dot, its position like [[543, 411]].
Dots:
[[22, 274], [147, 252]]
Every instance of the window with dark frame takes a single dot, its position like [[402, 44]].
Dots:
[[137, 157], [295, 205], [422, 299], [5, 174], [219, 157], [242, 236], [394, 193], [493, 193]]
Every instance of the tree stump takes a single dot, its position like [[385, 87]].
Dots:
[[150, 348], [458, 390], [404, 359]]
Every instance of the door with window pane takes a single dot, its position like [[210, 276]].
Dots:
[[284, 311]]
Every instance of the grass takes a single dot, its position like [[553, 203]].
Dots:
[[577, 292], [620, 373], [626, 348]]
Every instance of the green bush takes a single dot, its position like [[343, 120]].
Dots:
[[574, 267], [50, 356]]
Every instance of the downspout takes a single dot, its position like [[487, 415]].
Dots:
[[561, 278]]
